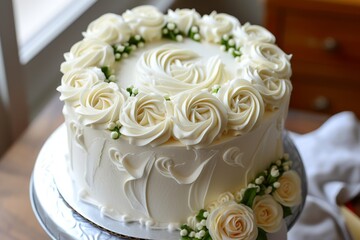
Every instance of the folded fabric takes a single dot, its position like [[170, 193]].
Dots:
[[331, 156]]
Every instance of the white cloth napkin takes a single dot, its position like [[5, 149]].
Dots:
[[331, 156]]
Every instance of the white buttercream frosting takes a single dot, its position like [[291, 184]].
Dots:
[[174, 127], [147, 21], [88, 53], [100, 104], [184, 18], [244, 105], [77, 80], [168, 70], [249, 32], [109, 28], [199, 118], [146, 119], [215, 25], [266, 55]]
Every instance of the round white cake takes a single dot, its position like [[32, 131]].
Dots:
[[177, 115]]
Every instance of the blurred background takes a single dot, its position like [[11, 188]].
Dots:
[[322, 35]]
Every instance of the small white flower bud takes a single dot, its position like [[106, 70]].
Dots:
[[183, 232], [223, 48], [141, 44], [231, 42], [202, 233], [192, 234], [171, 26], [203, 222], [231, 50], [120, 48], [199, 226], [111, 126], [278, 162], [268, 190], [117, 55], [276, 184], [197, 36], [125, 55], [114, 135], [194, 29], [179, 38], [165, 31], [137, 37], [225, 37], [205, 214]]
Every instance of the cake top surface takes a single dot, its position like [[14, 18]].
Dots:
[[150, 77]]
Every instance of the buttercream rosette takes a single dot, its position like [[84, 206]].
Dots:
[[244, 105], [88, 53], [100, 105], [109, 28], [146, 119], [215, 25], [147, 21], [199, 118], [74, 82], [184, 18], [249, 32]]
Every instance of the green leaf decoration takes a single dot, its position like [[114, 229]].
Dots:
[[261, 235], [249, 197], [286, 211], [106, 70], [200, 215]]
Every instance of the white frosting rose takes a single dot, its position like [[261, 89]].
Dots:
[[266, 55], [244, 105], [289, 192], [146, 21], [146, 119], [273, 89], [215, 25], [77, 80], [268, 213], [199, 118], [88, 53], [168, 70], [109, 28], [100, 105], [232, 221], [248, 32], [184, 19]]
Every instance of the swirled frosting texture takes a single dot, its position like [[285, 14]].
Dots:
[[146, 21], [244, 105], [168, 70], [215, 25], [188, 91], [74, 82], [109, 28], [184, 18], [88, 53], [100, 104], [199, 118], [146, 119]]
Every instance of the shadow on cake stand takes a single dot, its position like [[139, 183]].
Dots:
[[61, 221]]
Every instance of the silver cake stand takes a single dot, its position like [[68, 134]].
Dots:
[[61, 221]]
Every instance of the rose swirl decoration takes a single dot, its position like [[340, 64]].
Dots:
[[199, 118], [146, 119], [244, 105]]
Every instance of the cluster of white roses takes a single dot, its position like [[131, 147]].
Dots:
[[195, 118], [251, 212]]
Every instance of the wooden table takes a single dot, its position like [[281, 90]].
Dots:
[[17, 220]]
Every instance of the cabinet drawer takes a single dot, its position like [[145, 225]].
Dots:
[[328, 98], [322, 38]]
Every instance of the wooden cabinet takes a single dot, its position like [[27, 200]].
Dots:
[[324, 38]]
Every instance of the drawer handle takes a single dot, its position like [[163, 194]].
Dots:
[[330, 44], [321, 103]]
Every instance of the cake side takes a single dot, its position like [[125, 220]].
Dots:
[[167, 113], [162, 186]]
